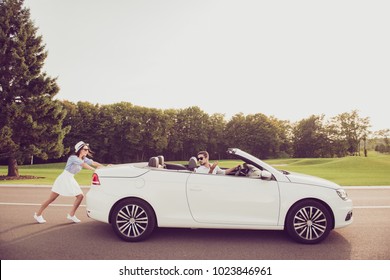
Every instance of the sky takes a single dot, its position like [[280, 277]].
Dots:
[[287, 59]]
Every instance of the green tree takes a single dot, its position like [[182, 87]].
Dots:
[[257, 134], [261, 136], [191, 131], [353, 129], [235, 132], [105, 134], [83, 122], [338, 145], [154, 132], [283, 137], [30, 120], [174, 145], [382, 136], [123, 129], [216, 144], [310, 138]]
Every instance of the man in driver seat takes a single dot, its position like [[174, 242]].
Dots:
[[207, 168]]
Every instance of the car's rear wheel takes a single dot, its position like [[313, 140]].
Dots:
[[309, 222], [133, 220]]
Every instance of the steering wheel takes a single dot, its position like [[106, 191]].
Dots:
[[240, 170]]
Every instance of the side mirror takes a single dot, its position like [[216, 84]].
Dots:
[[266, 175]]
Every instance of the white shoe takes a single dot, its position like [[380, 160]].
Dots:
[[39, 219], [73, 218]]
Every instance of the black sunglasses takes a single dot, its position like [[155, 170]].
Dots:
[[200, 158]]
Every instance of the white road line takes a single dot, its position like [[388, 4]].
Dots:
[[31, 186], [366, 187], [49, 186], [83, 205], [371, 207], [37, 204]]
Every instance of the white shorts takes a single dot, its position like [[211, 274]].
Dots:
[[66, 185]]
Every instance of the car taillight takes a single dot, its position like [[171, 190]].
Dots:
[[95, 179]]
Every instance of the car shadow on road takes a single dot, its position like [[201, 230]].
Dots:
[[96, 241], [208, 244], [251, 244]]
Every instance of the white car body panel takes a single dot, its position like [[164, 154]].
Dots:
[[224, 199], [184, 199]]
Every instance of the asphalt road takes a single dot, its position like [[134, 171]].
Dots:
[[368, 238]]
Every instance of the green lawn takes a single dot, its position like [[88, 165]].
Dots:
[[47, 173], [348, 171]]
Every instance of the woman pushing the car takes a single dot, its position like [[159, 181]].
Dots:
[[66, 185]]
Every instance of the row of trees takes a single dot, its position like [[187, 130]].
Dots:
[[33, 123], [341, 135], [382, 141], [123, 132]]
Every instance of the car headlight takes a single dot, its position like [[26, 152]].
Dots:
[[342, 194]]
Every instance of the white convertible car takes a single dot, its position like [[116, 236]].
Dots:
[[136, 198]]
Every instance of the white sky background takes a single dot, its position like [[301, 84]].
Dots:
[[288, 59]]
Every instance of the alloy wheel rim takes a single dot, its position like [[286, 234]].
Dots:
[[132, 221], [310, 223]]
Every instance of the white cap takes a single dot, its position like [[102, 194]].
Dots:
[[78, 146]]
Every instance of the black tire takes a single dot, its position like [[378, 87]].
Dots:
[[309, 222], [133, 220]]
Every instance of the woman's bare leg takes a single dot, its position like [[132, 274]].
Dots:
[[53, 196], [76, 204]]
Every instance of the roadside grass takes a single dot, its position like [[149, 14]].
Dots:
[[373, 170], [46, 173], [348, 171]]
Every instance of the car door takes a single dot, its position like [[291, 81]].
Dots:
[[225, 199]]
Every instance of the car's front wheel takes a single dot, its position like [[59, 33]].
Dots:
[[133, 220], [309, 222]]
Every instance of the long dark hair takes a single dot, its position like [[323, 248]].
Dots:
[[90, 152]]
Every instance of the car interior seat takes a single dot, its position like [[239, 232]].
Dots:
[[161, 161], [153, 162], [192, 163]]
